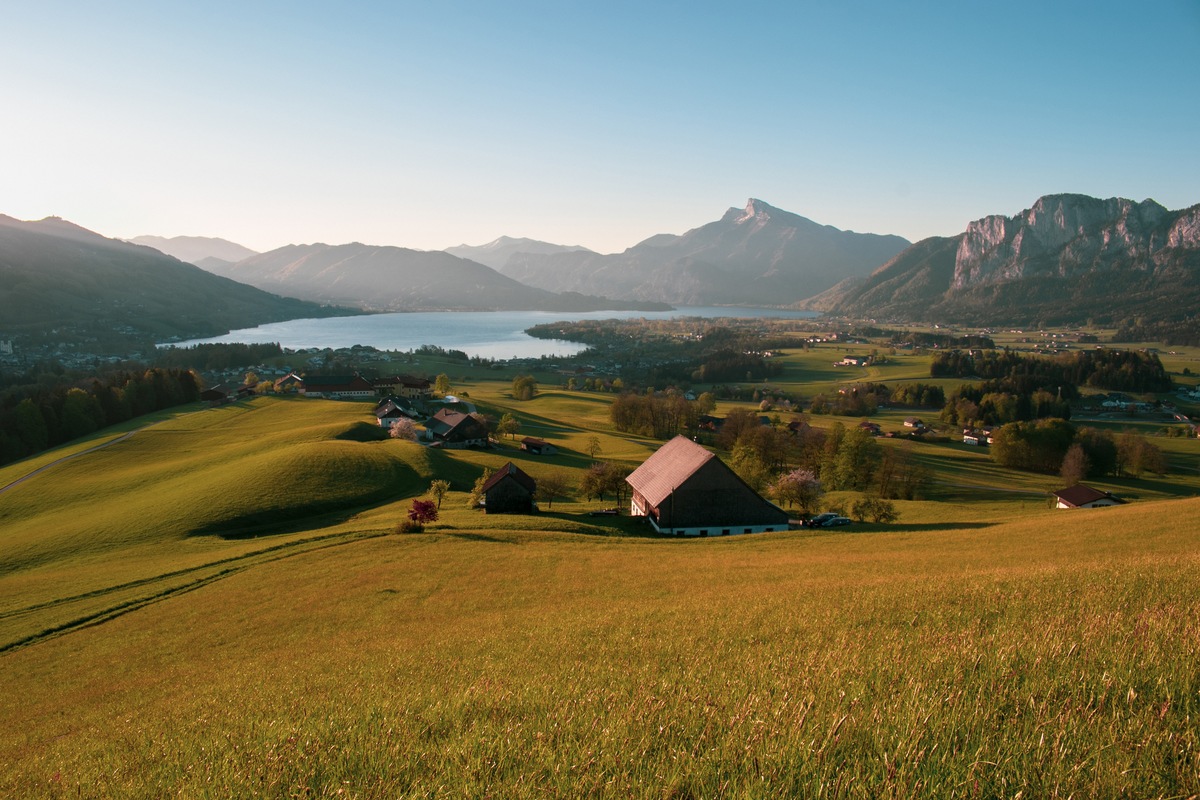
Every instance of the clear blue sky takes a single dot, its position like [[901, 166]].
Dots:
[[433, 124]]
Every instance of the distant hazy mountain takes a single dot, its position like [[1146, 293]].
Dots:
[[496, 254], [395, 278], [757, 255], [61, 278], [1068, 258], [193, 249]]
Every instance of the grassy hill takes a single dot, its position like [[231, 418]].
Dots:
[[60, 283], [217, 605]]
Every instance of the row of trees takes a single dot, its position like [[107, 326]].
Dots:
[[50, 417], [1120, 370], [1056, 446], [994, 403]]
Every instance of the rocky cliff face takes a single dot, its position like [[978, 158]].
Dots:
[[1067, 258], [1063, 235]]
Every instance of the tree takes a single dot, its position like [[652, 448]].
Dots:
[[750, 466], [524, 387], [403, 429], [422, 513], [706, 403], [1135, 455], [591, 483], [475, 499], [600, 479], [441, 384], [875, 509], [800, 487], [1075, 465], [592, 447], [550, 486], [508, 426], [853, 465], [31, 427], [438, 489]]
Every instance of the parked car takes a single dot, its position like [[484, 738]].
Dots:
[[835, 522], [819, 520]]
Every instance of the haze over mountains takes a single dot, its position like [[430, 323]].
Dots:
[[378, 278], [1068, 258], [496, 253], [194, 249], [58, 279], [757, 255]]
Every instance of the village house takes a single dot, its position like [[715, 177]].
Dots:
[[455, 430], [405, 386], [391, 410], [1080, 496], [913, 422], [852, 361], [217, 395], [288, 383], [538, 447], [509, 491], [684, 490], [337, 387]]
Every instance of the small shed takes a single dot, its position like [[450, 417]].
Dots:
[[538, 447], [217, 395], [509, 491]]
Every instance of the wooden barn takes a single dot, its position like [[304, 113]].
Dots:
[[537, 447], [509, 491], [684, 490]]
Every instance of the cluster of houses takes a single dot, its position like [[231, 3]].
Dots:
[[355, 386]]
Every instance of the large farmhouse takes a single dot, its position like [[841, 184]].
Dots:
[[684, 490], [337, 387]]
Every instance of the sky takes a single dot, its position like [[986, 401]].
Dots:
[[433, 124]]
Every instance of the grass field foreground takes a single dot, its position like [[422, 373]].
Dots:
[[986, 662]]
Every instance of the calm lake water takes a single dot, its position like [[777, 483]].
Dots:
[[486, 334]]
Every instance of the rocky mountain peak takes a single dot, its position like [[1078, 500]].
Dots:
[[755, 210]]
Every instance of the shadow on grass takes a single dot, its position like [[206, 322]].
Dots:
[[474, 537], [868, 527]]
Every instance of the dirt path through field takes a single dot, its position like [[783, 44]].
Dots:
[[55, 463]]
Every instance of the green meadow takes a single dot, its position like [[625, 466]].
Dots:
[[218, 605]]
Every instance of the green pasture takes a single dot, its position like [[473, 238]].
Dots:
[[219, 605], [968, 659]]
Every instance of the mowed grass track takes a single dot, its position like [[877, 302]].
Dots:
[[182, 500], [1045, 659]]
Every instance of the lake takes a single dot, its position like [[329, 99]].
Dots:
[[484, 334]]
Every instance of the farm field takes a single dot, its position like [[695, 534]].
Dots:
[[218, 605]]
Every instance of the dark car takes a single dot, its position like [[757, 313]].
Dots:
[[835, 522], [819, 520]]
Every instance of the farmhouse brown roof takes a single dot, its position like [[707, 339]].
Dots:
[[670, 466], [1079, 495], [510, 470]]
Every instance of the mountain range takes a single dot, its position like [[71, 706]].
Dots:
[[197, 249], [1067, 258], [381, 278], [756, 255], [65, 282], [496, 253]]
